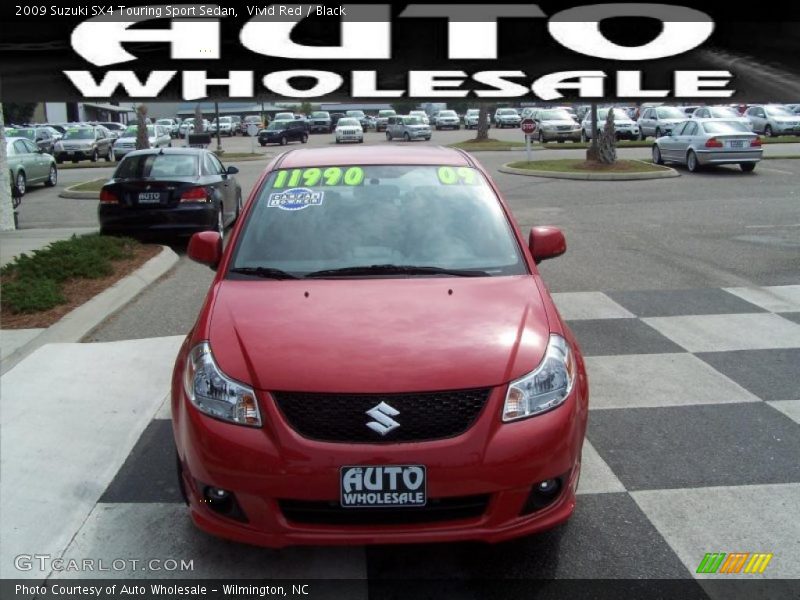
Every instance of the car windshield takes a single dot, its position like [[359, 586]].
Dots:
[[284, 116], [224, 120], [157, 166], [79, 134], [358, 114], [164, 122], [670, 112], [507, 111], [131, 131], [473, 111], [386, 113], [320, 115], [412, 120], [721, 112], [448, 113], [778, 111], [725, 127], [349, 123], [23, 133], [317, 219], [554, 115]]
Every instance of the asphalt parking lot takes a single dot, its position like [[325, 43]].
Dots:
[[691, 284]]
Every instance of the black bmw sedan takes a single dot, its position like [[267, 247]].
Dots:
[[170, 191]]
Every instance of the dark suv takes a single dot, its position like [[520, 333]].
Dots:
[[320, 120], [283, 132]]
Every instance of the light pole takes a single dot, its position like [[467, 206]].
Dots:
[[219, 143]]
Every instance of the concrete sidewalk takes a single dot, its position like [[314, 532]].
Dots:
[[14, 243]]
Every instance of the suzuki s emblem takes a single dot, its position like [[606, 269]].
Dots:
[[383, 423]]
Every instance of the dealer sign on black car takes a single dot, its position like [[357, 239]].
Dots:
[[149, 197], [382, 486]]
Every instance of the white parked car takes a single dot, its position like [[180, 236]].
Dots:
[[721, 112], [225, 126], [188, 126], [507, 117], [658, 121], [348, 129], [421, 114], [471, 118], [624, 126], [157, 135], [170, 124], [447, 119]]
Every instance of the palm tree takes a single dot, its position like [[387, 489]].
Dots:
[[483, 122], [142, 139]]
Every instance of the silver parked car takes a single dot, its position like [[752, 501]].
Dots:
[[407, 128], [624, 126], [721, 112], [158, 137], [447, 119], [556, 124], [773, 119], [657, 121], [710, 142], [471, 118], [507, 117]]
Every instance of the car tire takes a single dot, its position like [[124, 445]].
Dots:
[[658, 132], [428, 139], [657, 158], [406, 137], [284, 141], [388, 137], [110, 156], [584, 137], [768, 131], [238, 207], [94, 155], [304, 139], [541, 137], [262, 144], [22, 183], [747, 167], [52, 179], [691, 162]]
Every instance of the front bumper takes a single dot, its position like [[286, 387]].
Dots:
[[265, 466], [553, 135], [75, 155], [322, 127], [628, 134], [184, 219]]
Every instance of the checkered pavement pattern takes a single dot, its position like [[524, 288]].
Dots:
[[693, 446]]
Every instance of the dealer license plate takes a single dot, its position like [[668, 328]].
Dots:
[[382, 486], [149, 197], [737, 143]]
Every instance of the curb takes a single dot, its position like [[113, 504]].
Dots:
[[77, 323], [501, 149], [70, 192], [667, 173]]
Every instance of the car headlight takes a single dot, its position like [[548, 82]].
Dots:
[[214, 393], [546, 387]]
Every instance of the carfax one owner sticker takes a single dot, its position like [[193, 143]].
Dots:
[[295, 199]]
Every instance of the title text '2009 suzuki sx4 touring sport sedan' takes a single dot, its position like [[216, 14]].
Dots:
[[378, 361]]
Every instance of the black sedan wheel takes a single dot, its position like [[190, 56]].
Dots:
[[94, 155], [304, 139], [284, 141]]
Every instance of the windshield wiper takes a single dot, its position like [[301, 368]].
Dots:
[[264, 272], [395, 270]]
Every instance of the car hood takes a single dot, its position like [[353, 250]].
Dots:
[[559, 122], [378, 335]]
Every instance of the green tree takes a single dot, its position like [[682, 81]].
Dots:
[[306, 108], [482, 131], [402, 107], [18, 113]]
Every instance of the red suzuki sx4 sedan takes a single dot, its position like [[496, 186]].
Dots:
[[378, 360]]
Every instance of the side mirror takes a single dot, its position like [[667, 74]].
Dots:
[[205, 247], [232, 171], [546, 242]]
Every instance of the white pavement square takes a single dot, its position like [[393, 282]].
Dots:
[[782, 298], [70, 414], [720, 333], [696, 521], [596, 476], [791, 408], [654, 380], [574, 306]]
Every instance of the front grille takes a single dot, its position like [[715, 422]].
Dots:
[[343, 417], [436, 510]]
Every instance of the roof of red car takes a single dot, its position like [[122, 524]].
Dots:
[[406, 154]]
